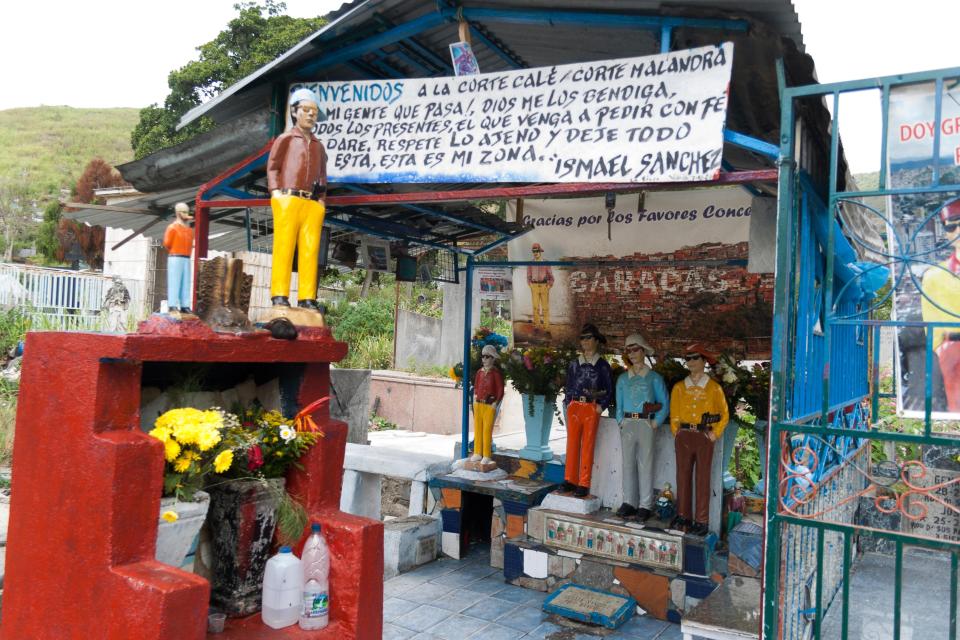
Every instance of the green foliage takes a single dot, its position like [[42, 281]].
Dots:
[[255, 37], [292, 519], [537, 370], [47, 243], [494, 323], [14, 324], [370, 352], [370, 316], [8, 420], [425, 299], [746, 464], [379, 423], [44, 149], [888, 420]]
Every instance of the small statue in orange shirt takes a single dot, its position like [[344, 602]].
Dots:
[[178, 241]]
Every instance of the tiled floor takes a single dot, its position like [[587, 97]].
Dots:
[[456, 600]]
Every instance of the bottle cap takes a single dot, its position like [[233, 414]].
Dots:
[[286, 550], [316, 527]]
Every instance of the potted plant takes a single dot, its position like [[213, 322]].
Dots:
[[537, 374], [197, 445], [245, 510]]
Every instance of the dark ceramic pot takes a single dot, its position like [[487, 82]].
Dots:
[[241, 520]]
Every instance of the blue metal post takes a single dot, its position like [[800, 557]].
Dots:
[[467, 317]]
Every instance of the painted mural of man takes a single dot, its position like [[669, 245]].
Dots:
[[940, 302], [297, 179], [540, 279]]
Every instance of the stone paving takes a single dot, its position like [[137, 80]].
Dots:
[[458, 599]]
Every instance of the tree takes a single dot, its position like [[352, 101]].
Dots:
[[255, 37], [98, 174], [16, 214], [47, 243]]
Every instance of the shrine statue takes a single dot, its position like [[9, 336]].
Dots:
[[487, 394], [698, 416], [178, 241], [737, 505], [297, 179], [642, 406], [587, 393], [665, 508]]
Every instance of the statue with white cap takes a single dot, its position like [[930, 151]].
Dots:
[[297, 179], [642, 406], [487, 394]]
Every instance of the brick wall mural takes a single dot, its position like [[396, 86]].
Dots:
[[670, 265], [673, 304]]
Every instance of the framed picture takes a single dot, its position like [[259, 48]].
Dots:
[[464, 62], [376, 255]]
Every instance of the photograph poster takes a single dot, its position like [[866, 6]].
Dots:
[[923, 232], [495, 283], [376, 255]]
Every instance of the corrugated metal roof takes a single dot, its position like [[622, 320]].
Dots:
[[244, 108], [226, 234], [538, 45]]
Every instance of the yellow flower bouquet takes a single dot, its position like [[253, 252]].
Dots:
[[196, 444]]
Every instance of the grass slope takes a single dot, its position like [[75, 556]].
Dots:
[[48, 147]]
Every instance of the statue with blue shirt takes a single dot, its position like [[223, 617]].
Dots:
[[642, 406]]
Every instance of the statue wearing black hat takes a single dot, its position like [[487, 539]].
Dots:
[[588, 391]]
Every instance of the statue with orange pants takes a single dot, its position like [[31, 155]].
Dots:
[[297, 179], [588, 391], [487, 394], [698, 416]]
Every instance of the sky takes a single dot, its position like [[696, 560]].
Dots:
[[86, 54]]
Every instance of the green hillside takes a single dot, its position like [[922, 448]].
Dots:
[[47, 147]]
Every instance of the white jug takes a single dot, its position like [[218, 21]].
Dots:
[[282, 590]]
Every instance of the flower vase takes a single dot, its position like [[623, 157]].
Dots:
[[242, 521], [729, 441], [537, 420], [176, 539]]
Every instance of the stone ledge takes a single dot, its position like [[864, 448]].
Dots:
[[395, 464]]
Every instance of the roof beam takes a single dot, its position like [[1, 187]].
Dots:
[[425, 211], [390, 36], [549, 190], [588, 19], [546, 190], [769, 151], [507, 56]]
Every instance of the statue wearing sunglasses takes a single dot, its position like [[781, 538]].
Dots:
[[698, 416], [587, 393], [487, 394]]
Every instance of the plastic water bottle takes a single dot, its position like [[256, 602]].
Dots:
[[282, 587], [315, 613]]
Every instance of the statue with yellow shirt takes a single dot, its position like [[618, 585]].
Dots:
[[698, 416]]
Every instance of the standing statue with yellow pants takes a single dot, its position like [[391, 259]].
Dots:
[[297, 179], [487, 394]]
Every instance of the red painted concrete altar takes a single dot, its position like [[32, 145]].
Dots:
[[83, 514]]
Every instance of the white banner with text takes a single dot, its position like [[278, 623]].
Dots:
[[646, 119]]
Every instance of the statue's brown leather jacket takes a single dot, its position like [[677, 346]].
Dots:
[[296, 161]]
